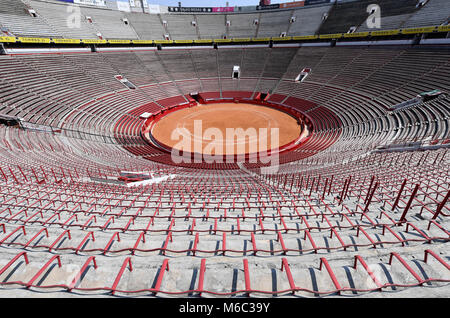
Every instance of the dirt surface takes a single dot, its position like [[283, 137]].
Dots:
[[177, 129]]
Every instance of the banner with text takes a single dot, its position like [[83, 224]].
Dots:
[[296, 4], [269, 7], [223, 9], [100, 3], [190, 9]]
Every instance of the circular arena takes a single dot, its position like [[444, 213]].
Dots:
[[311, 143], [206, 127]]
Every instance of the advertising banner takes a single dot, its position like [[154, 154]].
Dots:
[[119, 41], [203, 41], [33, 40], [260, 39], [4, 39], [223, 9], [190, 9], [312, 2], [66, 41], [183, 41], [241, 40], [384, 32], [444, 28], [356, 34], [142, 41], [418, 30], [93, 41], [305, 37], [292, 4], [279, 38], [269, 7], [100, 3], [331, 36]]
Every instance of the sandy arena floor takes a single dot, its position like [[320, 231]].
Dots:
[[216, 118]]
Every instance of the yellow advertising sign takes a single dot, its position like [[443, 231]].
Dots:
[[93, 41], [184, 41], [222, 40], [241, 40], [331, 36], [9, 39], [142, 41], [66, 41], [34, 40], [163, 41], [203, 41], [356, 35], [119, 41], [418, 30], [384, 33], [444, 28], [305, 37], [260, 39], [279, 38]]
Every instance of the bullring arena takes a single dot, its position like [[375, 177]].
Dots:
[[348, 195], [281, 127]]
